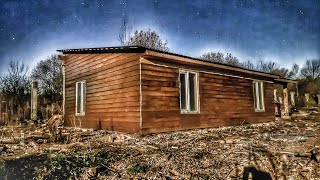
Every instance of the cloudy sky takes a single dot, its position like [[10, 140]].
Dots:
[[285, 31]]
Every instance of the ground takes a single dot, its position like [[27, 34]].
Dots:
[[284, 149]]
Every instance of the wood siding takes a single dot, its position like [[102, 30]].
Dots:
[[224, 100], [112, 90]]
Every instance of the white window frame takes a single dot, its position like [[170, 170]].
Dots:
[[197, 103], [256, 95], [82, 98]]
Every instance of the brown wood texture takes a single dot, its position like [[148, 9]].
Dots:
[[112, 91], [149, 54], [224, 100]]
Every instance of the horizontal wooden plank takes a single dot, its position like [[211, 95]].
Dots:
[[78, 59], [111, 87], [158, 68], [158, 74], [111, 105], [118, 95], [158, 78], [213, 76], [114, 92], [162, 93], [161, 105], [224, 100], [160, 83], [161, 98], [119, 68], [113, 109], [162, 89], [112, 100], [131, 127], [104, 115], [101, 62], [104, 82], [161, 124], [126, 73]]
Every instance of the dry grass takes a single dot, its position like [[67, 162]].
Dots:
[[280, 150]]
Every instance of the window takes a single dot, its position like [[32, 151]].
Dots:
[[258, 96], [189, 92], [80, 98]]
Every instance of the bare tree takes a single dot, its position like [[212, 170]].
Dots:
[[294, 71], [15, 87], [286, 73], [49, 75], [247, 64], [124, 34], [231, 60], [311, 69], [267, 67], [220, 58], [213, 57], [148, 39]]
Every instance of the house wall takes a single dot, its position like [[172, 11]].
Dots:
[[224, 100], [112, 90]]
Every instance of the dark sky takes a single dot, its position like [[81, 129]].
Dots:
[[285, 31]]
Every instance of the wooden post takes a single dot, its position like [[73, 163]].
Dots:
[[293, 98], [34, 100], [286, 104]]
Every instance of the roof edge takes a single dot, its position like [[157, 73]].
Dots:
[[124, 49]]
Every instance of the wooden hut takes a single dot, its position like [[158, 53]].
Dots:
[[140, 90]]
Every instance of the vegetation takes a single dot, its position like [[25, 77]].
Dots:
[[58, 165], [220, 58], [15, 87], [264, 66], [15, 90], [311, 69], [139, 168], [49, 75], [148, 39], [287, 148]]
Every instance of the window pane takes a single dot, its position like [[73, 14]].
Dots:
[[192, 91], [255, 95], [78, 94], [183, 96], [83, 96], [260, 96]]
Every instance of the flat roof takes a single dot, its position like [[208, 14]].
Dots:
[[140, 49]]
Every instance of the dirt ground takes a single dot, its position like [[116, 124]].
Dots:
[[284, 149]]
